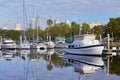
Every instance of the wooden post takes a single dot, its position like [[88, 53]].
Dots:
[[20, 42], [20, 56], [108, 43], [100, 39], [108, 64], [1, 39]]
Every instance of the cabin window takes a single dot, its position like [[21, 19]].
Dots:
[[71, 46]]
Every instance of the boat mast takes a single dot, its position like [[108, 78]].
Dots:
[[37, 24], [33, 22], [24, 19], [24, 16]]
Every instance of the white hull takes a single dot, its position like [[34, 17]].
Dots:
[[11, 46], [50, 44], [23, 46], [40, 46], [60, 45], [8, 44], [85, 51]]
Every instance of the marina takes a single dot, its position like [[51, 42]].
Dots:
[[59, 40]]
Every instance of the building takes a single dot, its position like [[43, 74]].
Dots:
[[5, 28], [68, 22], [92, 24], [56, 21], [17, 26], [35, 23]]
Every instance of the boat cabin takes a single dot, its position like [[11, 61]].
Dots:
[[84, 37], [83, 40]]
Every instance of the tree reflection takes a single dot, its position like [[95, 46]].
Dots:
[[54, 61], [49, 66], [35, 56], [115, 65]]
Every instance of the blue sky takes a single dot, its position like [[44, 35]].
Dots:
[[73, 10]]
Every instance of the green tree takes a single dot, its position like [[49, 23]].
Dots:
[[49, 22], [13, 34], [75, 28], [85, 28], [113, 26], [98, 30]]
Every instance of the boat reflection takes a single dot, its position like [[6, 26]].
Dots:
[[84, 64], [23, 52], [93, 60], [34, 56], [50, 51], [37, 51], [8, 54]]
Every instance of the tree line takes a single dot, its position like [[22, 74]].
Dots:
[[67, 30]]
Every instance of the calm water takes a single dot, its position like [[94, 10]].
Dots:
[[54, 65]]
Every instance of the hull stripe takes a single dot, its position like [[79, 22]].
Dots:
[[85, 47]]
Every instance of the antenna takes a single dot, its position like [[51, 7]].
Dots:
[[80, 28]]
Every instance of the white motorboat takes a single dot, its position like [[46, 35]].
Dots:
[[8, 44], [38, 45], [84, 45], [60, 42], [24, 45], [50, 44]]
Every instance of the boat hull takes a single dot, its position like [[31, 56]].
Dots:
[[23, 46], [50, 44], [38, 46], [8, 46], [88, 50]]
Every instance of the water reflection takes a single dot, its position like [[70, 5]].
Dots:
[[113, 64], [53, 60], [84, 64], [55, 64], [93, 60], [8, 54]]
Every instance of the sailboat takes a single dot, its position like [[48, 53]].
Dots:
[[50, 44], [24, 44], [37, 44]]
